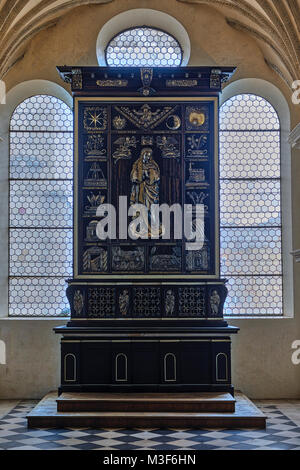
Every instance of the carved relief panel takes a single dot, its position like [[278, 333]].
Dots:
[[151, 153]]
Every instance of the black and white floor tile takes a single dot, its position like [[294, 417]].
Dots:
[[281, 434]]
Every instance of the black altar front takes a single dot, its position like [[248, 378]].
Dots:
[[146, 314]]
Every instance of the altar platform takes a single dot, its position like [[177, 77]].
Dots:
[[140, 410]]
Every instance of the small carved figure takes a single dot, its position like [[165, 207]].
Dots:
[[124, 302], [169, 146], [215, 302], [123, 151], [78, 302], [170, 303]]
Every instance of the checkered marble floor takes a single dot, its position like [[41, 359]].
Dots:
[[281, 434]]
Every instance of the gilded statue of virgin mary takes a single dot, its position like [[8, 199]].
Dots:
[[145, 178]]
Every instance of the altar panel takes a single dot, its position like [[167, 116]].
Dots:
[[146, 300]]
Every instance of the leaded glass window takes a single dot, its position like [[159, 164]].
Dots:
[[250, 198], [40, 218], [143, 47]]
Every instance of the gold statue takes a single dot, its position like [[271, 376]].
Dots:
[[145, 178]]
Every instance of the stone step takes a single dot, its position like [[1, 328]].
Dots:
[[45, 414], [190, 402]]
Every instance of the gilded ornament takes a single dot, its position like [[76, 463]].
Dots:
[[181, 83], [173, 122], [119, 122], [112, 83], [197, 119], [123, 151], [145, 179], [95, 176], [145, 117], [94, 200], [95, 118]]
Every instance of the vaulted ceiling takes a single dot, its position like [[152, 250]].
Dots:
[[275, 24], [20, 20]]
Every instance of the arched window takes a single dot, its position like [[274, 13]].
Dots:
[[250, 202], [143, 46], [40, 217]]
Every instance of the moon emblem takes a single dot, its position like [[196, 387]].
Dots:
[[173, 122]]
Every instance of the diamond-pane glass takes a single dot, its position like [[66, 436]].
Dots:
[[41, 185], [142, 46], [250, 203]]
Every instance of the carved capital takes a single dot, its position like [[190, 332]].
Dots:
[[76, 79], [296, 254], [146, 78], [294, 137], [215, 79]]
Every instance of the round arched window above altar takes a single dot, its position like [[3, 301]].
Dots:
[[143, 46]]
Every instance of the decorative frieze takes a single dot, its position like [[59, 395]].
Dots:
[[147, 301]]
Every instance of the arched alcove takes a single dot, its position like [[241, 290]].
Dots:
[[121, 367], [70, 368], [170, 367]]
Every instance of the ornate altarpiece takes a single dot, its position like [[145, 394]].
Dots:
[[146, 315]]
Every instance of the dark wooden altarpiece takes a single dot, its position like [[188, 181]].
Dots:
[[146, 314]]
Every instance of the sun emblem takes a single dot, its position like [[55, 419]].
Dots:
[[197, 119]]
